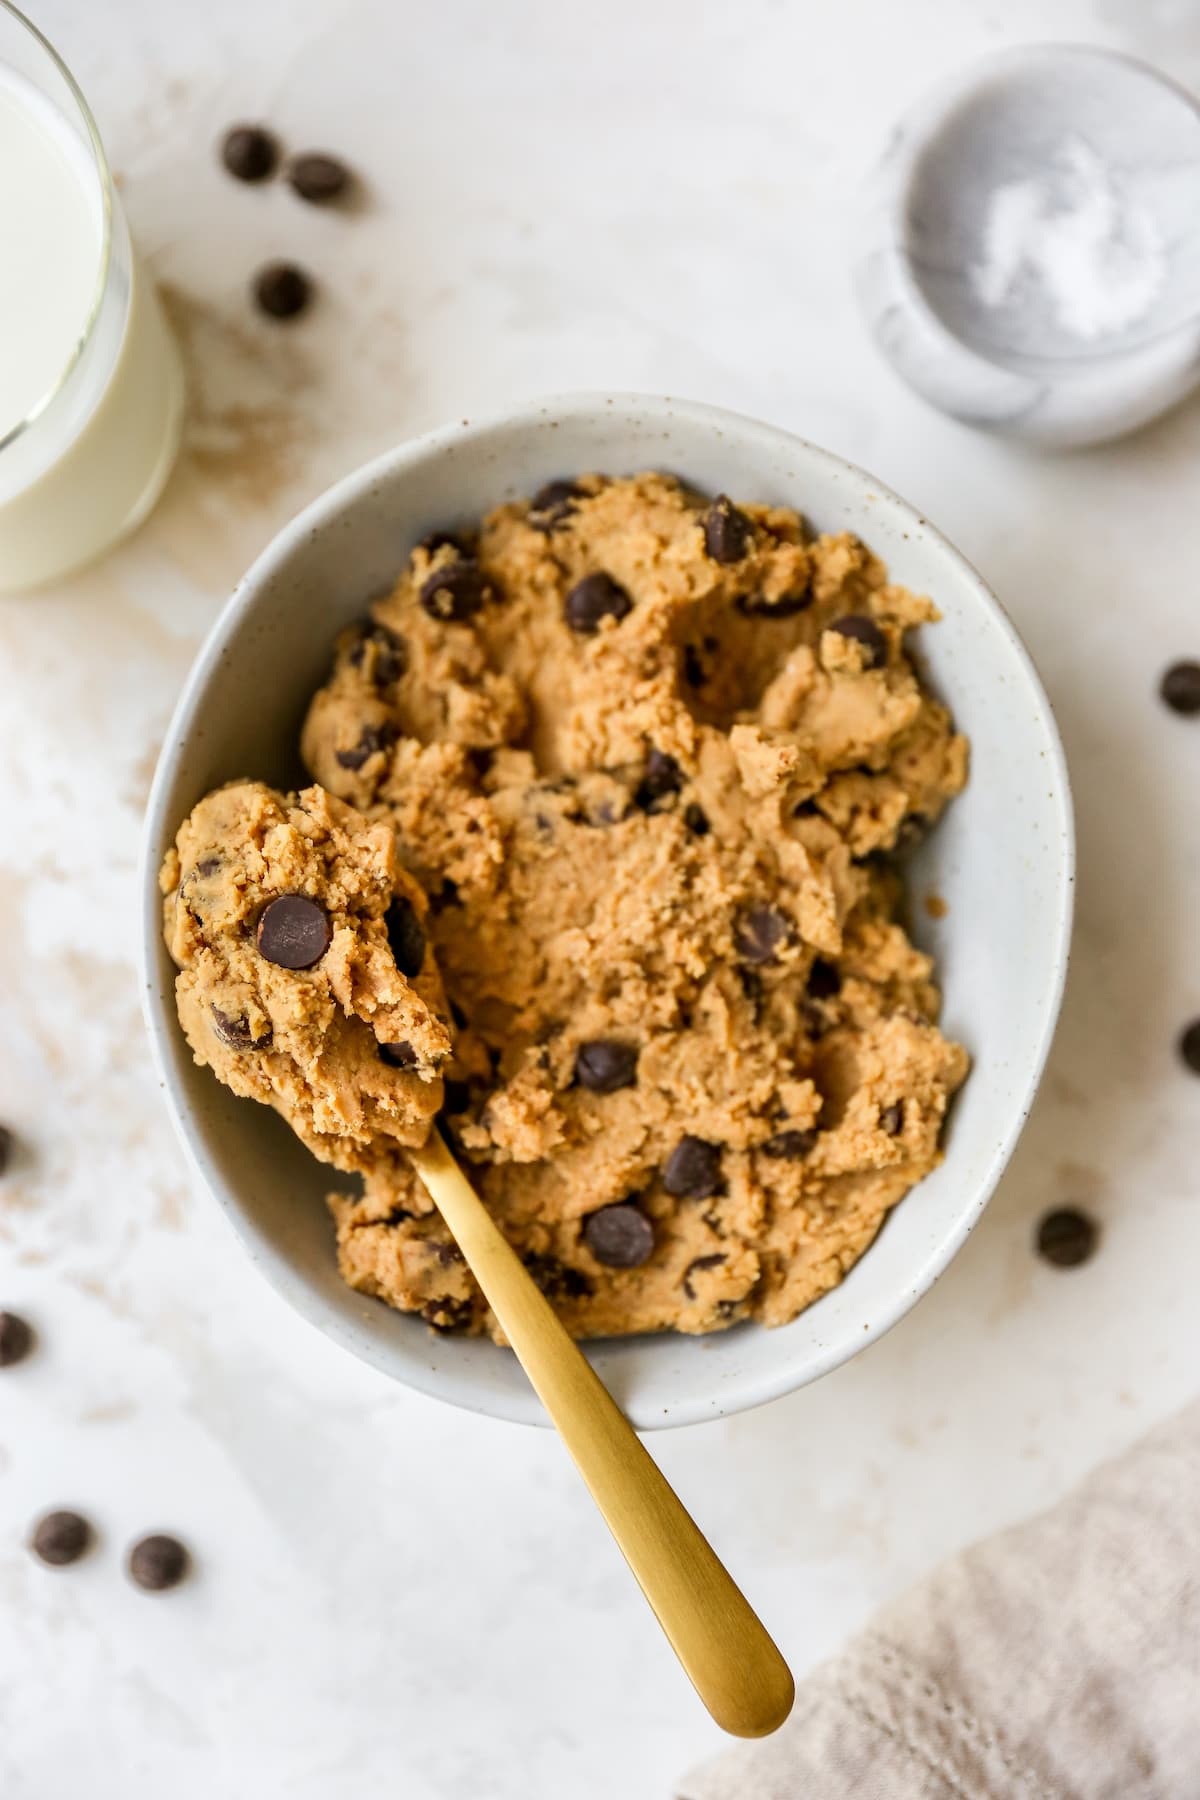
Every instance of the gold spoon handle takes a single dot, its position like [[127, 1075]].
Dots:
[[732, 1662]]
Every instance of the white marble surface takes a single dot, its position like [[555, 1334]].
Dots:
[[390, 1594]]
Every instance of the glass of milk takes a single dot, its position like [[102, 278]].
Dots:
[[91, 387]]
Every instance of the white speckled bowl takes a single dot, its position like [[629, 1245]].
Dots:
[[1002, 860]]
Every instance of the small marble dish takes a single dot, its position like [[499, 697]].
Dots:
[[1030, 245]]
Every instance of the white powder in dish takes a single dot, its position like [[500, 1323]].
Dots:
[[1068, 238]]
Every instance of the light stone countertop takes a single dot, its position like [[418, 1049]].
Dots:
[[391, 1596]]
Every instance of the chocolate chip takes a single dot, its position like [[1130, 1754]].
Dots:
[[620, 1236], [824, 979], [6, 1147], [60, 1538], [696, 819], [693, 1169], [758, 934], [693, 669], [891, 1119], [396, 1215], [294, 932], [249, 153], [1189, 1046], [557, 1280], [551, 504], [374, 738], [446, 540], [1180, 688], [391, 653], [1066, 1237], [157, 1562], [790, 1146], [234, 1030], [16, 1339], [282, 290], [398, 1056], [602, 1066], [208, 865], [406, 935], [728, 533], [446, 1253], [447, 1313], [318, 177], [594, 598], [757, 606], [866, 632], [662, 777], [697, 1263], [456, 591]]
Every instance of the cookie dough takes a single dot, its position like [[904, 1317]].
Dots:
[[648, 757], [287, 919]]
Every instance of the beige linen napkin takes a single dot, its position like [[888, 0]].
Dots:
[[1057, 1661]]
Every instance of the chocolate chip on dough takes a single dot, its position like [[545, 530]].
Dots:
[[294, 932], [406, 935], [728, 533], [693, 1169], [620, 1237], [593, 599], [602, 1066], [866, 632]]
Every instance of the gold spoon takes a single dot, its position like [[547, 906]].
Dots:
[[723, 1646]]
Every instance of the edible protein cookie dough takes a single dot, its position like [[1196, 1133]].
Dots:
[[623, 770]]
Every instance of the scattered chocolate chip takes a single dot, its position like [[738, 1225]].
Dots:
[[662, 777], [374, 738], [697, 1263], [620, 1236], [757, 606], [157, 1562], [866, 632], [398, 1056], [758, 934], [1180, 688], [891, 1119], [603, 1066], [208, 865], [1189, 1046], [406, 935], [824, 979], [696, 819], [728, 533], [249, 153], [234, 1030], [16, 1339], [456, 591], [693, 1169], [557, 1280], [293, 932], [282, 290], [6, 1147], [551, 504], [790, 1146], [60, 1538], [1066, 1237], [594, 598], [456, 1095], [318, 177], [446, 1253]]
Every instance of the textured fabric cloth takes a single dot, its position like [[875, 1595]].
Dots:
[[1059, 1660]]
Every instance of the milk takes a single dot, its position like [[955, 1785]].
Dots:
[[51, 238], [90, 385]]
